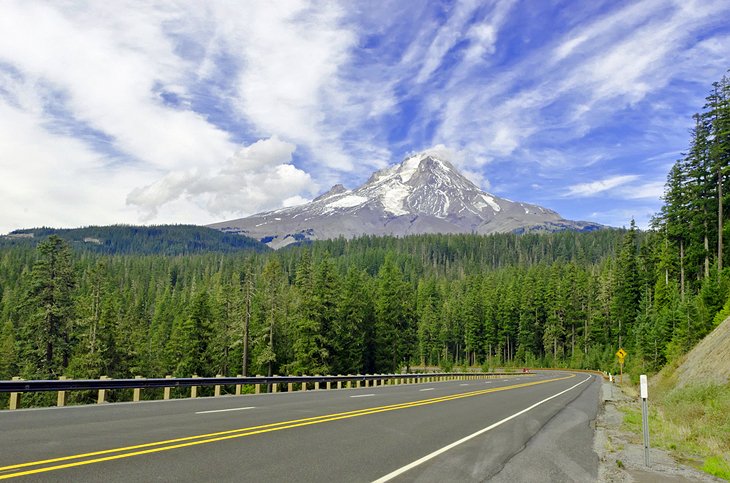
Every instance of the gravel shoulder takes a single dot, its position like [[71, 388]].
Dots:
[[621, 453]]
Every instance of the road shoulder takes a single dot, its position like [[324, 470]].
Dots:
[[621, 453]]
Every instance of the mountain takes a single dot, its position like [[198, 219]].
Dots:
[[423, 194], [141, 240]]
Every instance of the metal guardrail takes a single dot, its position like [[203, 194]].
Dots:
[[17, 386], [93, 384], [603, 374]]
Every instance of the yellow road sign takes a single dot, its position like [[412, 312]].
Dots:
[[621, 354]]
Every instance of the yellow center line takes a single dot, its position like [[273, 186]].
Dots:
[[155, 447]]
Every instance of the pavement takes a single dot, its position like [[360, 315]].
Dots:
[[521, 428]]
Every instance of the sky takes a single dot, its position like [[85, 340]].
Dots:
[[145, 112]]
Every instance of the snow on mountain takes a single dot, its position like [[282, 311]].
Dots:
[[423, 194]]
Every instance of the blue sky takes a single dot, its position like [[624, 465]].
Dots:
[[192, 112]]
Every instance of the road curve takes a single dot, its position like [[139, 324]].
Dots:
[[526, 428]]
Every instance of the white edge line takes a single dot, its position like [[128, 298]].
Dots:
[[463, 384], [363, 395], [224, 410], [426, 389], [410, 466]]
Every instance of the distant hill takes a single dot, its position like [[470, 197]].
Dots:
[[144, 240]]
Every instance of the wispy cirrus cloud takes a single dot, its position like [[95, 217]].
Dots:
[[596, 187]]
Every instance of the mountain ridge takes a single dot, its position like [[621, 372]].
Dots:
[[423, 194]]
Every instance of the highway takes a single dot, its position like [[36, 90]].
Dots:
[[523, 428]]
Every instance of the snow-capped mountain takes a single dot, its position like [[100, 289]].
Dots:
[[423, 194]]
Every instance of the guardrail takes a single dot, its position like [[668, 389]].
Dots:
[[603, 374], [272, 384]]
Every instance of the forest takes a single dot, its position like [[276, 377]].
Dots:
[[380, 304]]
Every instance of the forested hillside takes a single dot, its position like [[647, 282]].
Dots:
[[382, 304], [140, 240]]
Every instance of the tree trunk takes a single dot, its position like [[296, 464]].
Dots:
[[707, 252], [681, 269], [719, 220]]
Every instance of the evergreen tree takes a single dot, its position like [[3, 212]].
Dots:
[[394, 319], [628, 289], [47, 337]]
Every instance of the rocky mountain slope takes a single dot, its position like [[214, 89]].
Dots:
[[423, 194]]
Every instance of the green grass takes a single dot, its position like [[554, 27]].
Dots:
[[692, 422], [717, 466]]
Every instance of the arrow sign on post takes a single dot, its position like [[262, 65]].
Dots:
[[621, 354]]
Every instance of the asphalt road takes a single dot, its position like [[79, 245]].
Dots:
[[526, 428]]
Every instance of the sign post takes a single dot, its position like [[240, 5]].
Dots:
[[645, 415], [621, 354]]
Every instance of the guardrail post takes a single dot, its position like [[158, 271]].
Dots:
[[101, 399], [328, 385], [194, 389], [167, 389], [290, 386], [15, 396], [339, 383], [217, 387], [275, 387], [61, 396], [257, 387], [304, 385], [238, 387], [317, 387], [358, 382], [137, 391]]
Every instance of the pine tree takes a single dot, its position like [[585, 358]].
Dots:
[[628, 289], [47, 335], [353, 322], [394, 319], [8, 351]]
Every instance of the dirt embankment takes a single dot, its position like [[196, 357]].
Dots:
[[707, 363]]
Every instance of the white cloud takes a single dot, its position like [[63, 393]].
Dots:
[[652, 191], [578, 81], [53, 180], [446, 37], [290, 55], [258, 177], [103, 68], [595, 187]]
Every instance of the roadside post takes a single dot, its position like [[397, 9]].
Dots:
[[645, 415], [621, 354]]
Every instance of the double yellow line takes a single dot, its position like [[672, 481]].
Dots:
[[53, 464]]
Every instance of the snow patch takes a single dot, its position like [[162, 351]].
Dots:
[[393, 197], [409, 167], [348, 202], [490, 201]]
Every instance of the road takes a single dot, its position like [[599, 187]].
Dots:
[[526, 428]]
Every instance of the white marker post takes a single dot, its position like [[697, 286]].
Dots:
[[645, 415]]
